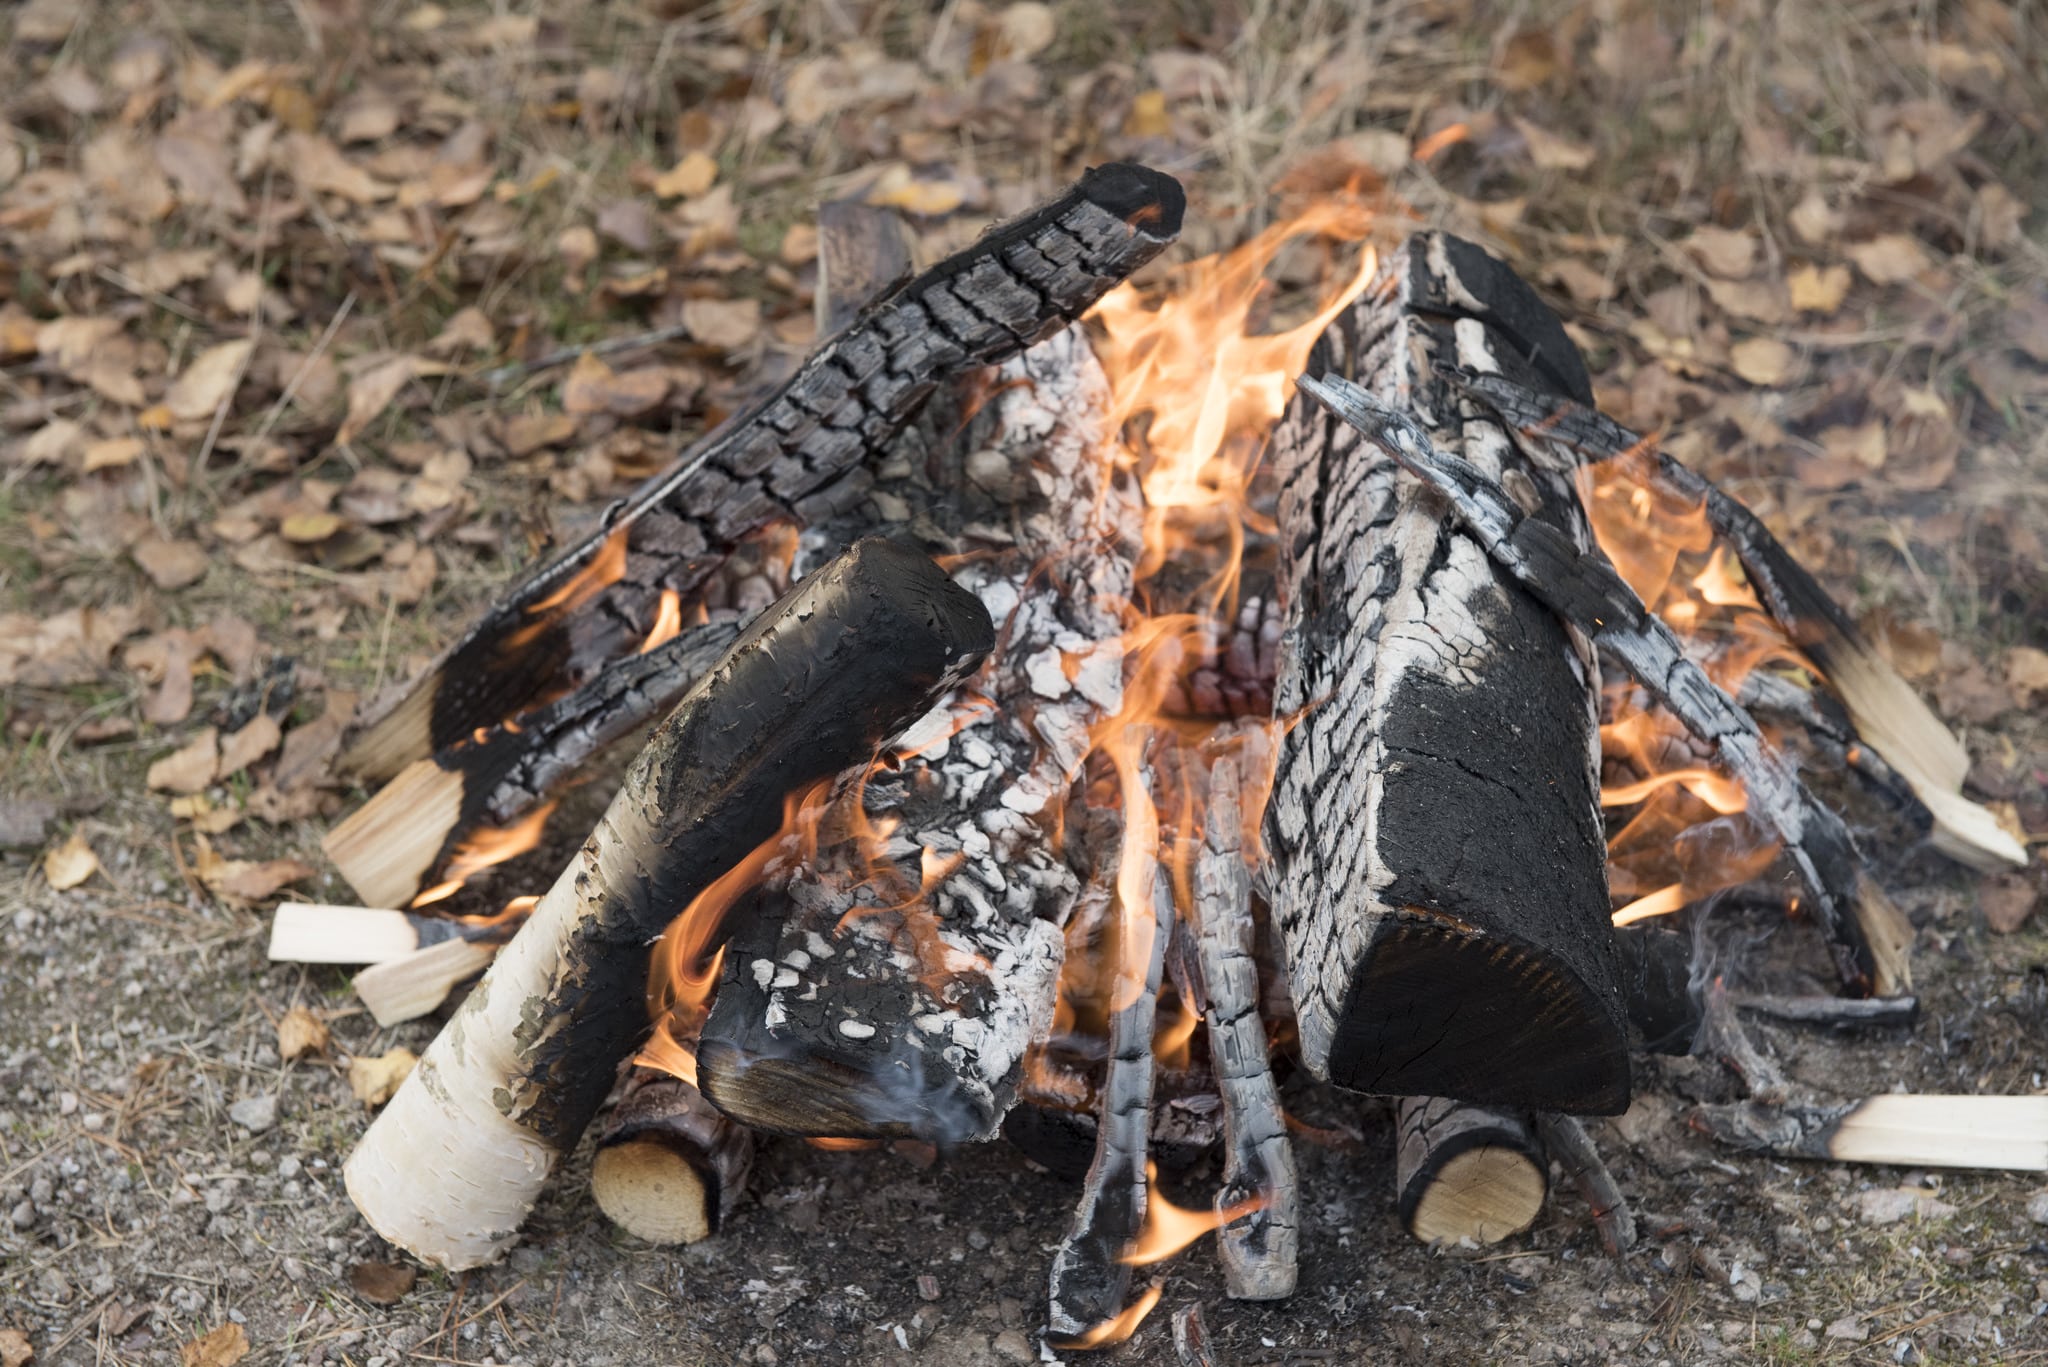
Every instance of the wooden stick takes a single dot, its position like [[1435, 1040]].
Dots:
[[1580, 1158], [1842, 1013], [391, 846], [795, 455], [668, 1166], [1448, 740], [1258, 1250], [1998, 1132], [1869, 937], [455, 1162], [1886, 711], [313, 933], [1466, 1175]]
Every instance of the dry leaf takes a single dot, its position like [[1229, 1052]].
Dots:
[[1818, 289], [309, 529], [468, 329], [727, 323], [1890, 259], [1814, 220], [251, 743], [189, 768], [383, 1283], [71, 342], [688, 178], [15, 1349], [299, 1033], [2026, 674], [1027, 29], [594, 387], [1586, 286], [205, 384], [244, 880], [224, 1347], [1756, 301], [1723, 251], [373, 1080], [70, 863], [2008, 899], [371, 392], [113, 453], [319, 165], [1762, 360], [1551, 152], [1864, 443], [53, 443], [170, 565]]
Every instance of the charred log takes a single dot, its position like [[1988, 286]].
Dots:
[[668, 1166], [454, 1163], [1449, 747], [796, 455]]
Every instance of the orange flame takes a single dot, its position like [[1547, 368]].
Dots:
[[606, 568], [485, 847], [1115, 1330], [1170, 1228], [668, 621]]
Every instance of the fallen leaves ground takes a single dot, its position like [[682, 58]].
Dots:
[[272, 296]]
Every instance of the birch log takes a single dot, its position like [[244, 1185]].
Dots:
[[1440, 864], [899, 993], [796, 456], [1466, 1174], [453, 1165]]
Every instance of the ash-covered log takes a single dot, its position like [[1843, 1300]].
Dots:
[[1441, 866], [1886, 710], [1868, 936], [893, 992], [668, 1166], [1465, 1174], [796, 455], [839, 664]]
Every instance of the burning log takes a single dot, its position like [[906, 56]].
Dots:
[[897, 981], [1869, 937], [795, 455], [2006, 1132], [668, 1166], [1448, 743], [454, 1163], [1886, 711], [1258, 1249], [389, 846], [1466, 1174]]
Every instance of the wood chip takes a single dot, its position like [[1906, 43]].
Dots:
[[374, 1080], [70, 863]]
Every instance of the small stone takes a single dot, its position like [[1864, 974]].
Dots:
[[23, 1215], [288, 1167], [67, 1103], [1889, 1206], [1012, 1346], [1848, 1328], [927, 1286], [254, 1113], [2037, 1207]]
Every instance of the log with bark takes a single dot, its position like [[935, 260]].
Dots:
[[892, 992], [1870, 939], [796, 455], [1466, 1174], [668, 1167], [1887, 712], [846, 659], [1441, 880], [2008, 1132]]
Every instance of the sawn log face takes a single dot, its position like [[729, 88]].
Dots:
[[1442, 873]]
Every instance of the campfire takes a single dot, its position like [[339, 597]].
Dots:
[[1079, 707]]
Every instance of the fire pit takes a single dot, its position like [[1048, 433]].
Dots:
[[1092, 730]]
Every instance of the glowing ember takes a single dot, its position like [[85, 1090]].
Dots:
[[484, 848]]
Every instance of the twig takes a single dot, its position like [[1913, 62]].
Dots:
[[504, 375], [291, 388]]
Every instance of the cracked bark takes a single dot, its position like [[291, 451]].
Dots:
[[1440, 874], [796, 455]]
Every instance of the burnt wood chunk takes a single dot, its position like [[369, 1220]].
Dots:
[[668, 1166], [1466, 1174], [823, 677], [795, 455], [1441, 866]]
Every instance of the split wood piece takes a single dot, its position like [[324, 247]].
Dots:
[[1580, 1158], [1998, 1132], [1089, 1275], [413, 985], [1259, 1250], [1464, 1174], [668, 1166], [1869, 937], [1440, 864], [797, 454], [841, 1019], [455, 1162], [391, 846], [316, 933], [1886, 710], [861, 255]]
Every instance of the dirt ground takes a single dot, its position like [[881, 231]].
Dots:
[[256, 262]]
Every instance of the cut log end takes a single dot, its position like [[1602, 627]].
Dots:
[[1467, 1175], [1445, 1004], [650, 1188]]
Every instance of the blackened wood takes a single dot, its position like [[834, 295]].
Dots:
[[1868, 936], [1841, 1013], [795, 455], [1657, 984], [1258, 1249], [839, 1022], [839, 664], [1887, 712], [1466, 1174], [1579, 1156], [668, 1166], [1441, 866]]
